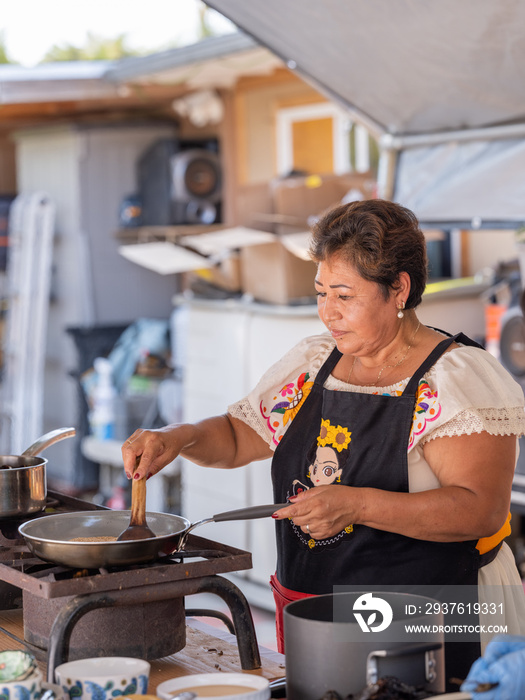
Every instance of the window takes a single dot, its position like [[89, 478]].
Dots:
[[321, 138]]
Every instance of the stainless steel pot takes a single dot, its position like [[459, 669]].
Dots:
[[327, 649], [50, 537], [23, 483]]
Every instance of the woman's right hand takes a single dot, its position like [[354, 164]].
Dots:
[[220, 441], [156, 448]]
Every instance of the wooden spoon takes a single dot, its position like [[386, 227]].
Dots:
[[138, 528]]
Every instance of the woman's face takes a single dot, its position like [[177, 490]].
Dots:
[[353, 309]]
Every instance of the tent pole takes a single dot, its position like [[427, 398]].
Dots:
[[386, 174], [401, 141]]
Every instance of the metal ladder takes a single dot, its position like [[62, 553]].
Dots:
[[31, 232]]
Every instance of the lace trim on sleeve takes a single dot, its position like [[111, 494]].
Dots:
[[243, 410], [495, 421]]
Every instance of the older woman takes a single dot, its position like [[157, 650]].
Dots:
[[422, 429]]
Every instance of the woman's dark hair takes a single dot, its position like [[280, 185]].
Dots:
[[380, 239]]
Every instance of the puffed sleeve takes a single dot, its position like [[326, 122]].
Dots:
[[467, 391], [273, 404]]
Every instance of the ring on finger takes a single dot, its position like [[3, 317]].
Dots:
[[308, 529]]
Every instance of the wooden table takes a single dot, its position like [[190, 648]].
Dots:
[[207, 650]]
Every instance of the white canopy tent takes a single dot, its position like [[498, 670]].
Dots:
[[439, 83]]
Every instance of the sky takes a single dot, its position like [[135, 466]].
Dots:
[[31, 27]]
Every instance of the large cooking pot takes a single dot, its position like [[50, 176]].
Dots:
[[328, 649], [23, 484], [50, 537]]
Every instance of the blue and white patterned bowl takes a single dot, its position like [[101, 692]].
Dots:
[[26, 689], [20, 678], [103, 678]]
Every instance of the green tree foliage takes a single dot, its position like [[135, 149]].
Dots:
[[204, 30], [96, 48]]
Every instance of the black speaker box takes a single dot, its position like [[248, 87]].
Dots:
[[154, 181], [180, 182], [197, 185]]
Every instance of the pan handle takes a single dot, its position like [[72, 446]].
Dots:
[[249, 513]]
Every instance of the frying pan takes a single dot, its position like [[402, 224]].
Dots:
[[50, 537]]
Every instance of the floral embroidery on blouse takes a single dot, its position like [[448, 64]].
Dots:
[[289, 399], [427, 410]]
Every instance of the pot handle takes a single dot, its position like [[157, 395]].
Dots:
[[372, 670], [47, 440]]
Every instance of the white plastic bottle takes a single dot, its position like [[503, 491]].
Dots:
[[102, 417]]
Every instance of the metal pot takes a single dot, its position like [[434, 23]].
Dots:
[[327, 649], [50, 537], [23, 484]]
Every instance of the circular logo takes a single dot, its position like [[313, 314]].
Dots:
[[372, 605]]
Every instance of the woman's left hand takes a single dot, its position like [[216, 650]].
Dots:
[[323, 511]]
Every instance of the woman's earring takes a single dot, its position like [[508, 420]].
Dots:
[[400, 307]]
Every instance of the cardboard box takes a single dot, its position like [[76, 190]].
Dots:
[[280, 272], [223, 247], [298, 199], [254, 206], [272, 274], [226, 274]]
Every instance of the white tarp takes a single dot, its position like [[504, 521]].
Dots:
[[416, 67], [464, 183]]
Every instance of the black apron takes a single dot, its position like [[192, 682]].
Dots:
[[368, 436]]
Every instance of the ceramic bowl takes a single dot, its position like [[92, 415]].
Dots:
[[223, 686], [28, 689], [19, 676], [103, 678]]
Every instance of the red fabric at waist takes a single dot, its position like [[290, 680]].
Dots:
[[282, 597]]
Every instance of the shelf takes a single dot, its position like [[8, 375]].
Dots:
[[145, 234]]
